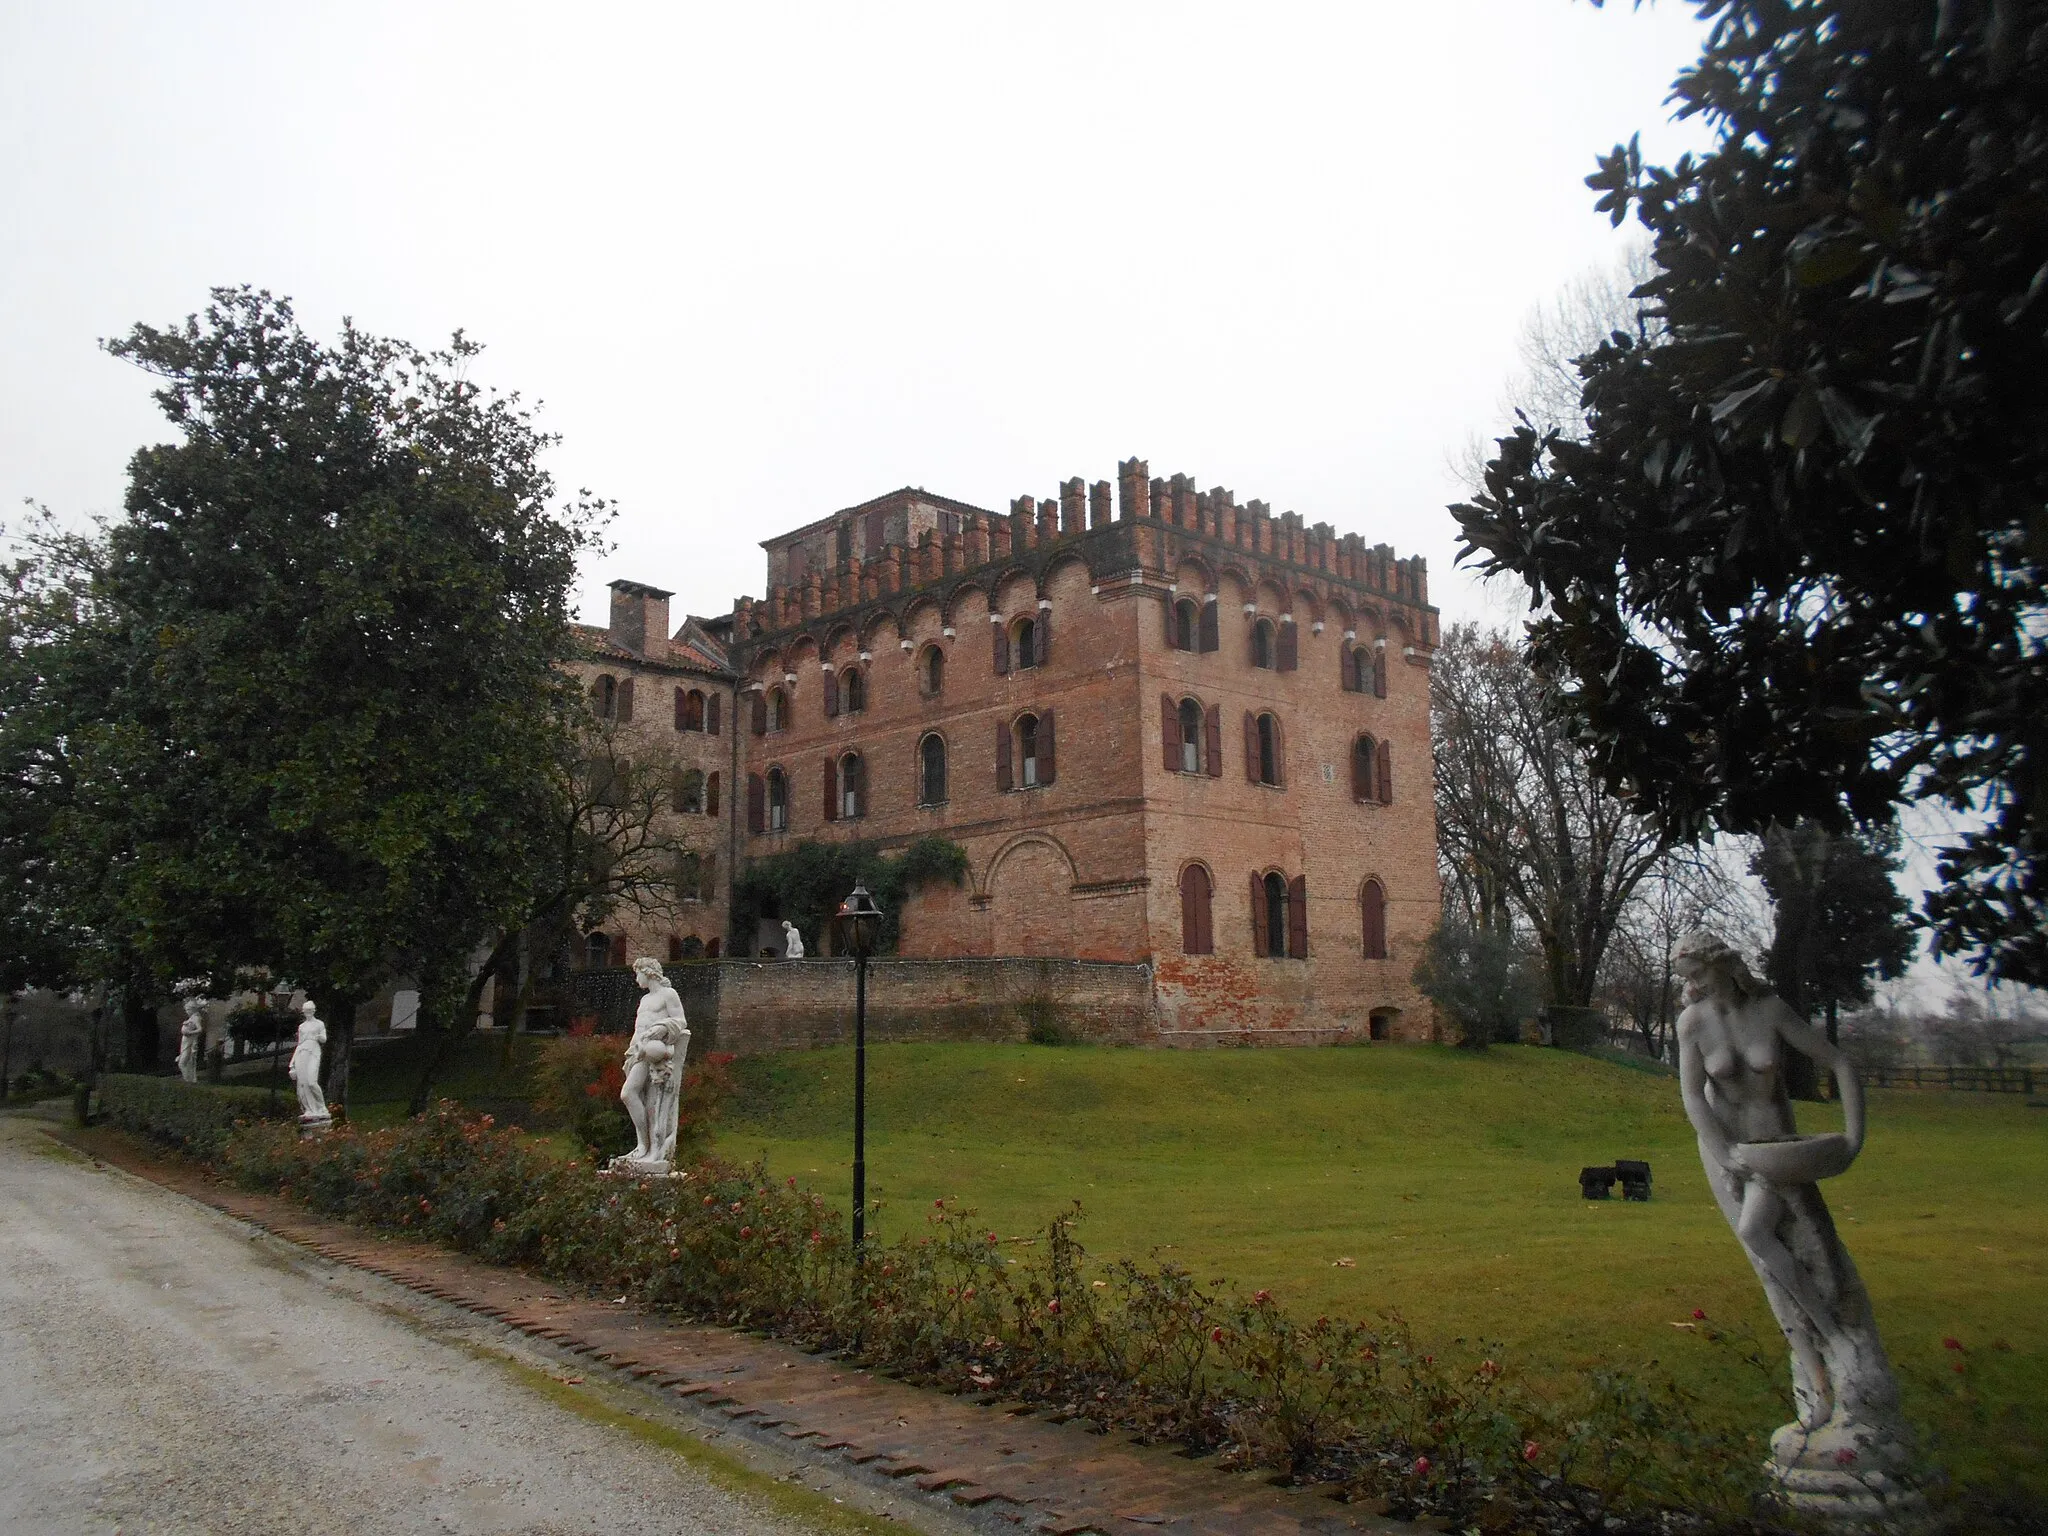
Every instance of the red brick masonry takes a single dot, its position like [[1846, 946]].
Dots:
[[1046, 1475]]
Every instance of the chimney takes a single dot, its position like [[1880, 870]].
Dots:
[[639, 613]]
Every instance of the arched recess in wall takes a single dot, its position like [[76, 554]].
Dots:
[[1031, 898]]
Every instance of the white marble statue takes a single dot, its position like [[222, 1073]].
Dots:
[[792, 941], [1844, 1453], [191, 1038], [654, 1073], [305, 1067]]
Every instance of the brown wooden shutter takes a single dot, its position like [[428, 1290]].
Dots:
[[711, 715], [1297, 917], [1347, 658], [1251, 747], [1003, 755], [1213, 741], [1259, 946], [681, 695], [760, 720], [1172, 623], [708, 884], [1208, 894], [711, 795], [1190, 921], [626, 702], [1289, 656], [1361, 768], [1169, 733], [1206, 628], [757, 804], [1048, 770], [1386, 773], [1002, 634], [1379, 674], [1042, 634], [1279, 754], [831, 789], [831, 694]]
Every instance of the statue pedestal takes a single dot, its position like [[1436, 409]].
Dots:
[[312, 1128], [629, 1167], [1847, 1472]]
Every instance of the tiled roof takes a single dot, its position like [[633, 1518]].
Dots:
[[691, 648]]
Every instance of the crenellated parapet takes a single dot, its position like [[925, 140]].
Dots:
[[1140, 535]]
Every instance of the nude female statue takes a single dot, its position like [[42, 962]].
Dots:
[[191, 1035], [305, 1066], [654, 1071], [1732, 1038]]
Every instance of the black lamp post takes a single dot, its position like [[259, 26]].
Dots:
[[856, 928]]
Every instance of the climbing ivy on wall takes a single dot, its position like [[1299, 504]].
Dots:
[[806, 883]]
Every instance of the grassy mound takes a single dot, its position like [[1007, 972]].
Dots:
[[1450, 1182]]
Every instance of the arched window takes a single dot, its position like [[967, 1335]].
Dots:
[[1265, 652], [1027, 751], [597, 950], [853, 692], [778, 710], [1024, 643], [778, 800], [1372, 910], [689, 876], [852, 792], [931, 770], [1269, 750], [1196, 937], [1364, 769], [689, 709], [604, 696], [931, 671], [1190, 736], [689, 948], [1186, 618], [1274, 890]]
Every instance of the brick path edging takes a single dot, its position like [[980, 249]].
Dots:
[[1042, 1473]]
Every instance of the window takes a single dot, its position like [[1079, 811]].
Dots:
[[1024, 752], [778, 710], [687, 792], [689, 876], [1264, 753], [778, 800], [604, 696], [1186, 625], [1353, 660], [1372, 910], [597, 950], [1280, 916], [1264, 651], [850, 786], [1364, 769], [931, 770], [1190, 736], [1195, 935], [1024, 643], [689, 709], [1027, 750], [688, 948], [853, 692], [931, 671]]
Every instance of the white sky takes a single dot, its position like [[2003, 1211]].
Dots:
[[762, 262]]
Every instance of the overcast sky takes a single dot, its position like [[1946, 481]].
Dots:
[[764, 261]]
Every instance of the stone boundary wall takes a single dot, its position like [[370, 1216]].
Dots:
[[748, 1006]]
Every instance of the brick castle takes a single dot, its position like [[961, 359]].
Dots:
[[1165, 728]]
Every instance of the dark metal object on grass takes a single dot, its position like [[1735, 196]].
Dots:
[[1596, 1183], [1635, 1178]]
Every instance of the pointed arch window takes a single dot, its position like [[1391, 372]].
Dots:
[[1196, 893], [1372, 911], [853, 692], [931, 671], [778, 800], [1265, 648], [778, 710], [931, 770], [1190, 723]]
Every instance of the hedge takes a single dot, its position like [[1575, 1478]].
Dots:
[[197, 1118]]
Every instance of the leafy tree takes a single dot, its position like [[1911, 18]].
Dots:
[[1837, 918], [1794, 569], [807, 882], [316, 706], [1524, 831], [1481, 978]]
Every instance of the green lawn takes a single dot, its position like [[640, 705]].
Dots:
[[1450, 1181]]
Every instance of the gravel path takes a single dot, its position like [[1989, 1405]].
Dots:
[[162, 1371]]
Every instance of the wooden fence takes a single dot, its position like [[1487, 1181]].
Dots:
[[1970, 1079]]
